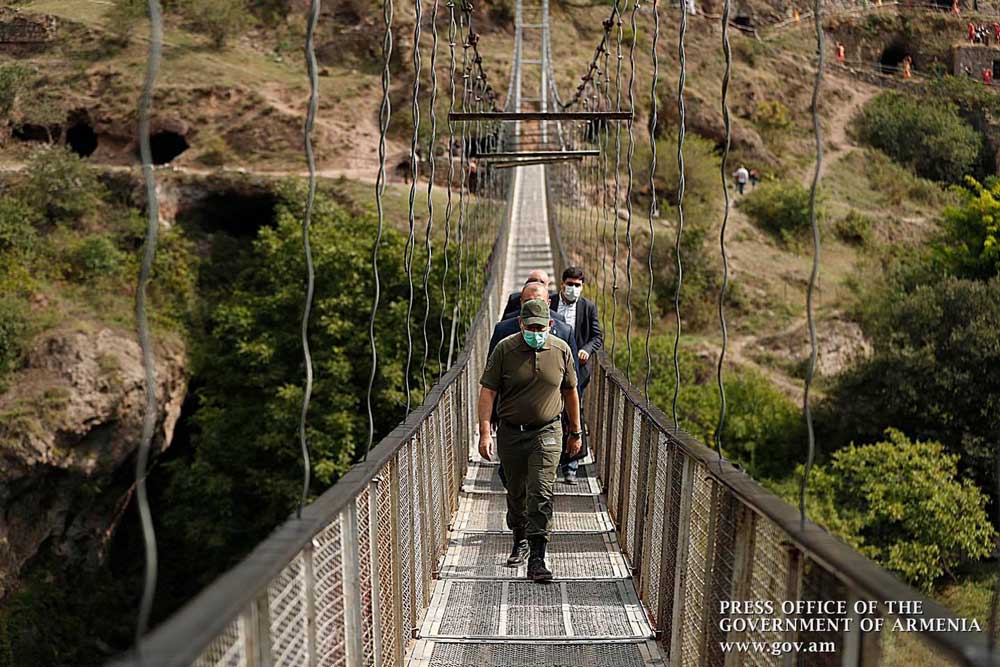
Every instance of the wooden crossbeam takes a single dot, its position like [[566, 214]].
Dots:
[[540, 115], [524, 163], [538, 154]]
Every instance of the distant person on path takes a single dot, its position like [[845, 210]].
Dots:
[[954, 8], [581, 315], [742, 176], [907, 65], [972, 32], [988, 77], [754, 178], [841, 54], [795, 14], [531, 375]]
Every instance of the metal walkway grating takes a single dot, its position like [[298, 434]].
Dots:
[[484, 613], [522, 654], [485, 479], [488, 512], [498, 609]]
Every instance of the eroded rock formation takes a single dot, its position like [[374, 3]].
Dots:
[[70, 425]]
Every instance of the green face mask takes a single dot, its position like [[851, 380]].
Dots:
[[535, 339]]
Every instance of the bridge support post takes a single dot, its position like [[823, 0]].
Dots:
[[256, 624], [746, 532], [680, 567], [352, 585], [309, 586]]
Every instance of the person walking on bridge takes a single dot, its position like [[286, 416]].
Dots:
[[532, 376], [513, 307], [581, 315]]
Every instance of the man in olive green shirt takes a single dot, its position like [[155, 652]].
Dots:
[[533, 374]]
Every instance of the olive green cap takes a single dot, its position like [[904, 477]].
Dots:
[[535, 311]]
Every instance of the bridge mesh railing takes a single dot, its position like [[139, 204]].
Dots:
[[348, 582], [697, 532]]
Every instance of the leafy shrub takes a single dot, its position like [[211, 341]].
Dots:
[[900, 502], [17, 227], [781, 208], [969, 245], [854, 228], [62, 185], [216, 152], [927, 135], [94, 257], [771, 115], [13, 329], [219, 19], [701, 280], [934, 350], [12, 79]]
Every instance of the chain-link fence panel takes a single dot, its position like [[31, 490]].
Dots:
[[287, 605], [227, 650], [329, 568]]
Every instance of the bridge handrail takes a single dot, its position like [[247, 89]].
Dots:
[[242, 618], [698, 530]]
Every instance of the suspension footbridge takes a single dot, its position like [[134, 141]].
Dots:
[[402, 561]]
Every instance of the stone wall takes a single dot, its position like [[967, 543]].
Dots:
[[19, 28], [974, 58]]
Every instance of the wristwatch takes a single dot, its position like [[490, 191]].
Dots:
[[578, 434]]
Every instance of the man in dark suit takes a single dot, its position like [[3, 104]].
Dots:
[[581, 315], [513, 307]]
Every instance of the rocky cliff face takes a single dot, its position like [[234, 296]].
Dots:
[[70, 425]]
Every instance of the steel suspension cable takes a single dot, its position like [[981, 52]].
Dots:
[[414, 174], [811, 369], [724, 173], [606, 104], [452, 31], [618, 149], [307, 131], [652, 190], [630, 154], [149, 417], [462, 242], [431, 145], [385, 113], [681, 183]]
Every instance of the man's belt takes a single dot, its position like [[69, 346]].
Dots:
[[529, 427]]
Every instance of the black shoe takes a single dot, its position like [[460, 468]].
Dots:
[[519, 553], [537, 571]]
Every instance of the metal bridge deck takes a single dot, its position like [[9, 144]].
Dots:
[[484, 613]]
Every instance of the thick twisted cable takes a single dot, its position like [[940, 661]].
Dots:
[[428, 249], [452, 32], [149, 416], [811, 369], [681, 127], [411, 220], [620, 57], [307, 130], [630, 154], [652, 190], [385, 113], [724, 173]]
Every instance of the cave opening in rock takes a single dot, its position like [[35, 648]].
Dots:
[[743, 21], [82, 139], [236, 214], [32, 132], [892, 57], [166, 146]]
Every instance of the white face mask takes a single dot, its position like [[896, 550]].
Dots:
[[572, 292]]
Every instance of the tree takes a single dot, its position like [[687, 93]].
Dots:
[[969, 246], [900, 502], [926, 134], [935, 352], [62, 185], [246, 464]]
